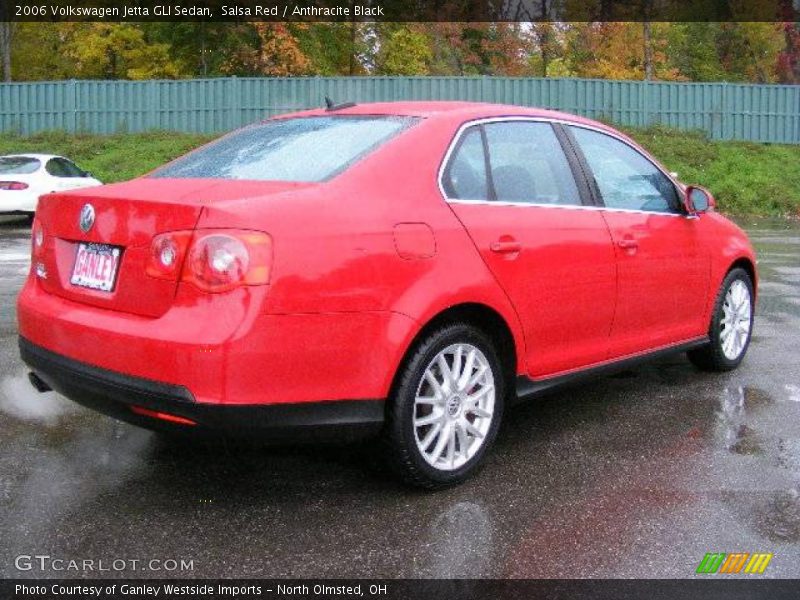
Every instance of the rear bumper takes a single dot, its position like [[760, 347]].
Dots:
[[225, 348], [17, 202], [115, 394]]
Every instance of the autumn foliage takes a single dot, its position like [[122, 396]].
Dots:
[[737, 51]]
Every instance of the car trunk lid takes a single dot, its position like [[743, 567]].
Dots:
[[127, 217]]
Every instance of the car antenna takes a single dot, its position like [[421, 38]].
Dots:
[[331, 106]]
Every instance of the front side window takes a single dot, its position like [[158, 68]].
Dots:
[[624, 177], [304, 149], [18, 165], [528, 164]]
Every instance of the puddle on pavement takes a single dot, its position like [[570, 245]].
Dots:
[[780, 519]]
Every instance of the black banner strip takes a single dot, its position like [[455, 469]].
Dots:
[[403, 589], [401, 10]]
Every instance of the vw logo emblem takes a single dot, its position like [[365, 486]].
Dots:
[[87, 218]]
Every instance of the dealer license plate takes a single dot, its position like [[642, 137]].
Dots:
[[96, 266]]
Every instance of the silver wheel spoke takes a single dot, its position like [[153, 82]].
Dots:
[[479, 412], [437, 387], [426, 400], [473, 398], [476, 377], [444, 368], [428, 419], [472, 430], [430, 436], [462, 381], [451, 446], [458, 359], [463, 439], [444, 437]]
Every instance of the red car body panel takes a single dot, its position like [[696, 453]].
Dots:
[[568, 264], [360, 264]]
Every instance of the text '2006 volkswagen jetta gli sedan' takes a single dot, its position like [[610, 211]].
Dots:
[[400, 269]]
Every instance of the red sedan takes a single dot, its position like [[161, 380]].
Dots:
[[402, 269]]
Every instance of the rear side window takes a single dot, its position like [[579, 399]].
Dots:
[[301, 149], [528, 164], [18, 165], [511, 161], [61, 167], [465, 177]]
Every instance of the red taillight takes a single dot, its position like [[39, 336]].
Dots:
[[213, 260], [37, 238], [167, 252], [221, 260], [155, 414], [13, 185]]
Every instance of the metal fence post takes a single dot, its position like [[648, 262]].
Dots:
[[234, 103], [72, 106]]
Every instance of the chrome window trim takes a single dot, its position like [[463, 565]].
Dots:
[[567, 207], [489, 120]]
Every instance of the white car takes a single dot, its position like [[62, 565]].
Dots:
[[25, 177]]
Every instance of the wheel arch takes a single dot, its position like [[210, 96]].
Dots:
[[747, 264], [482, 316]]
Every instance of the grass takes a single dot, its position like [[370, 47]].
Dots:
[[746, 178], [110, 158]]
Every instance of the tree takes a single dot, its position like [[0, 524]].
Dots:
[[276, 53], [405, 52], [547, 47], [38, 52], [199, 48], [118, 51], [335, 48], [788, 67], [6, 36], [747, 51], [788, 63]]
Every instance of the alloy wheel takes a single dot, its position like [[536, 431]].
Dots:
[[454, 406], [736, 320]]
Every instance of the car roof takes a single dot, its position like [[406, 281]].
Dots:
[[466, 110]]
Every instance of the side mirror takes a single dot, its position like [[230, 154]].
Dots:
[[87, 174], [698, 200]]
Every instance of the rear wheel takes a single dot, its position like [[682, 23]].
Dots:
[[731, 325], [446, 408]]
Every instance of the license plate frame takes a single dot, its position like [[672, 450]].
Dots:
[[96, 266]]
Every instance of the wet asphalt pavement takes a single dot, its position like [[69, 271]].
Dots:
[[633, 475]]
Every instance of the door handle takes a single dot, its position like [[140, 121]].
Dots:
[[628, 244], [505, 246]]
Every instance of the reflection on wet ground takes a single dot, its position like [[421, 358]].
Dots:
[[635, 475]]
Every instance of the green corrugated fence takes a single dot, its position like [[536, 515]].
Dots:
[[763, 113]]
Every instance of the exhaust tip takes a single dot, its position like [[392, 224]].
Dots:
[[38, 383]]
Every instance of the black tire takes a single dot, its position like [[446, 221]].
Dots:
[[403, 454], [711, 356]]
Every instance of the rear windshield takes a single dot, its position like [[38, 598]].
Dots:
[[300, 149], [18, 165]]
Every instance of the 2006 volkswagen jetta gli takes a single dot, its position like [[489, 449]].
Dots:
[[402, 269]]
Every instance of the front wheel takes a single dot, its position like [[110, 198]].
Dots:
[[447, 406], [731, 325]]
